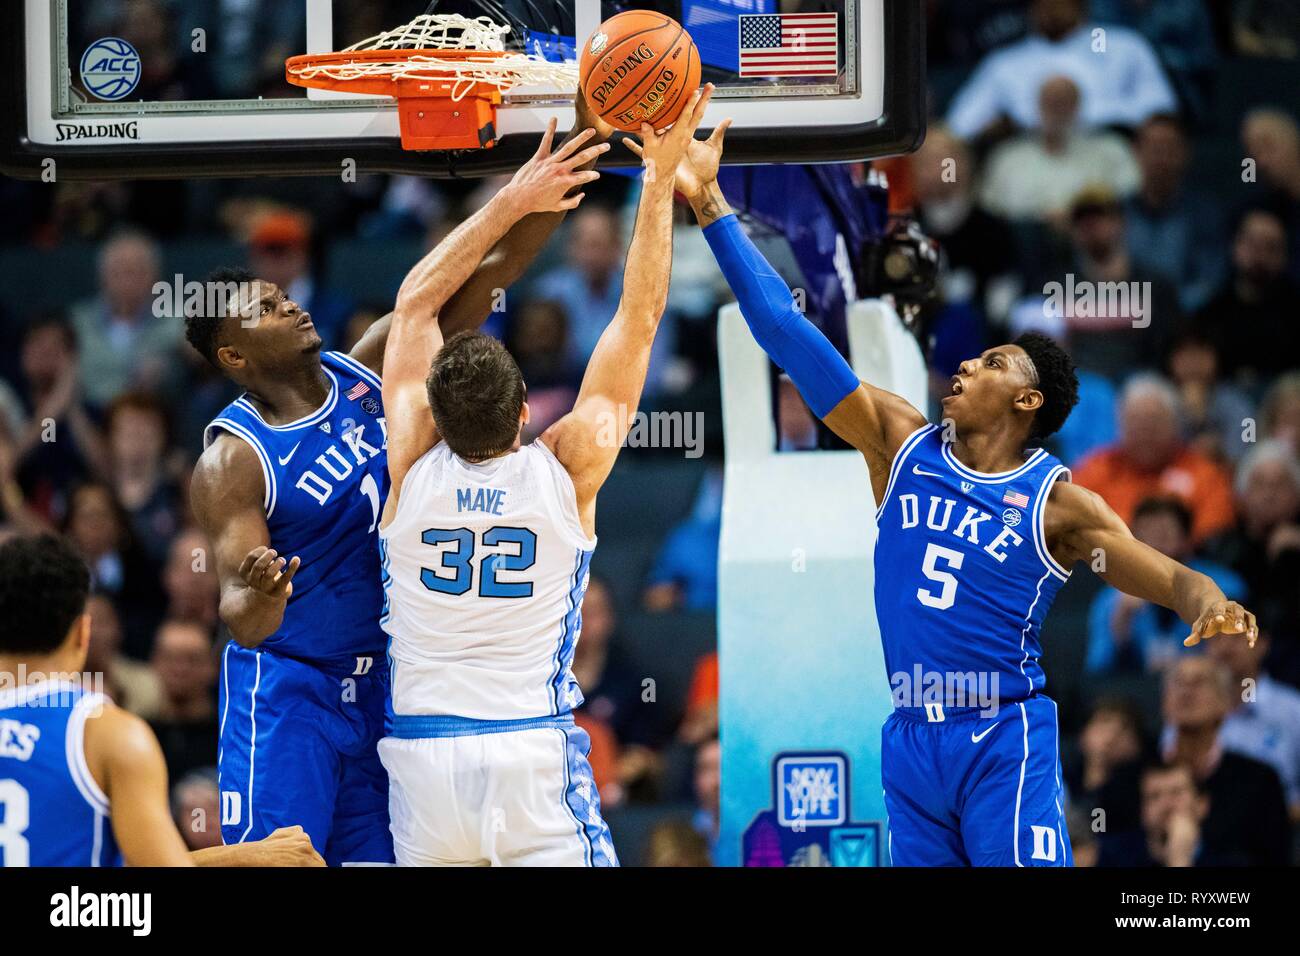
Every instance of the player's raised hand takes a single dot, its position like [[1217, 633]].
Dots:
[[665, 149], [700, 165], [266, 572], [543, 184], [1223, 617]]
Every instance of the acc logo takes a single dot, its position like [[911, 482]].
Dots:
[[370, 405], [110, 69], [1011, 517], [598, 43], [811, 790]]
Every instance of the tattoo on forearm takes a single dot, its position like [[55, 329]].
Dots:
[[711, 210]]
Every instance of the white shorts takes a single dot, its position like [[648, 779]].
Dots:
[[487, 797]]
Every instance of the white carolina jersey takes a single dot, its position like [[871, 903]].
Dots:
[[484, 569]]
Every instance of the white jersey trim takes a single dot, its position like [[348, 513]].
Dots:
[[905, 449], [75, 742], [1036, 521], [269, 491], [990, 478], [311, 419]]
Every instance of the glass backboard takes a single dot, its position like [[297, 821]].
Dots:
[[140, 88]]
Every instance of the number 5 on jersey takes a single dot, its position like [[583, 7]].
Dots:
[[946, 579]]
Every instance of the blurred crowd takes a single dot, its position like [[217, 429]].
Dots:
[[1106, 172]]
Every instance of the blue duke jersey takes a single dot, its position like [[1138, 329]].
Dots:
[[964, 578], [326, 477], [52, 812]]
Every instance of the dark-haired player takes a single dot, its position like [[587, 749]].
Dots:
[[977, 530], [82, 782], [289, 491]]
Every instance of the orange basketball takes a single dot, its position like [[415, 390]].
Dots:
[[639, 67]]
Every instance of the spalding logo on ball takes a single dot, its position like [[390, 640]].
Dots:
[[110, 69], [640, 67]]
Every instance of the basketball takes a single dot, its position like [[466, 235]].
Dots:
[[639, 67]]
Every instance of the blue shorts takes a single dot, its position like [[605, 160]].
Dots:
[[299, 748], [975, 790]]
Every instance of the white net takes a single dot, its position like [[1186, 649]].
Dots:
[[432, 34]]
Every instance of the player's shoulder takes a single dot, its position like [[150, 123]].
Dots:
[[1070, 506], [229, 465], [116, 738]]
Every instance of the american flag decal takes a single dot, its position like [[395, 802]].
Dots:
[[357, 390], [1016, 498], [789, 44]]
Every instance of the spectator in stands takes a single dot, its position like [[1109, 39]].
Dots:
[[1127, 634], [1037, 174], [60, 443], [196, 808], [100, 530], [796, 427], [676, 843], [138, 435], [1120, 316], [1247, 820], [147, 26], [130, 683], [614, 693], [1175, 808], [1265, 28], [1279, 412], [1173, 230], [1272, 138], [186, 723], [685, 572], [280, 252], [1120, 88], [978, 245], [190, 580], [1182, 36], [960, 32], [16, 515], [538, 338], [1150, 459], [590, 285], [1265, 723], [700, 722], [1254, 309], [1104, 776], [1216, 414], [122, 343], [708, 792]]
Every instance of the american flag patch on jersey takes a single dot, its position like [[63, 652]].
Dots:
[[1016, 498], [357, 390], [789, 44]]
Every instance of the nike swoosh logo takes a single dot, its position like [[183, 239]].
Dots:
[[916, 470], [976, 738], [292, 451]]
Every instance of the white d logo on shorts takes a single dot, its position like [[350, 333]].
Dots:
[[1044, 843], [232, 807]]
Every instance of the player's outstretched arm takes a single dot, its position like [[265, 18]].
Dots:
[[509, 259], [543, 184], [226, 496], [870, 419], [124, 758], [1080, 526], [587, 440]]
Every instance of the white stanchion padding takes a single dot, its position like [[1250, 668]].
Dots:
[[802, 671]]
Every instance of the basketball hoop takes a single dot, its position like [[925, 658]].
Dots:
[[447, 73]]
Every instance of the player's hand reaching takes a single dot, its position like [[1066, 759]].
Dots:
[[699, 167], [544, 182], [267, 573], [1223, 617], [664, 151], [287, 846]]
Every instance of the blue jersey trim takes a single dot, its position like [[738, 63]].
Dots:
[[323, 412], [425, 726], [990, 478], [361, 371]]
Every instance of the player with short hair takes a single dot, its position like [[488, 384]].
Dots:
[[487, 544], [977, 529], [82, 782], [289, 491]]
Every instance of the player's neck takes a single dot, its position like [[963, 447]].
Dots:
[[285, 395], [989, 453]]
